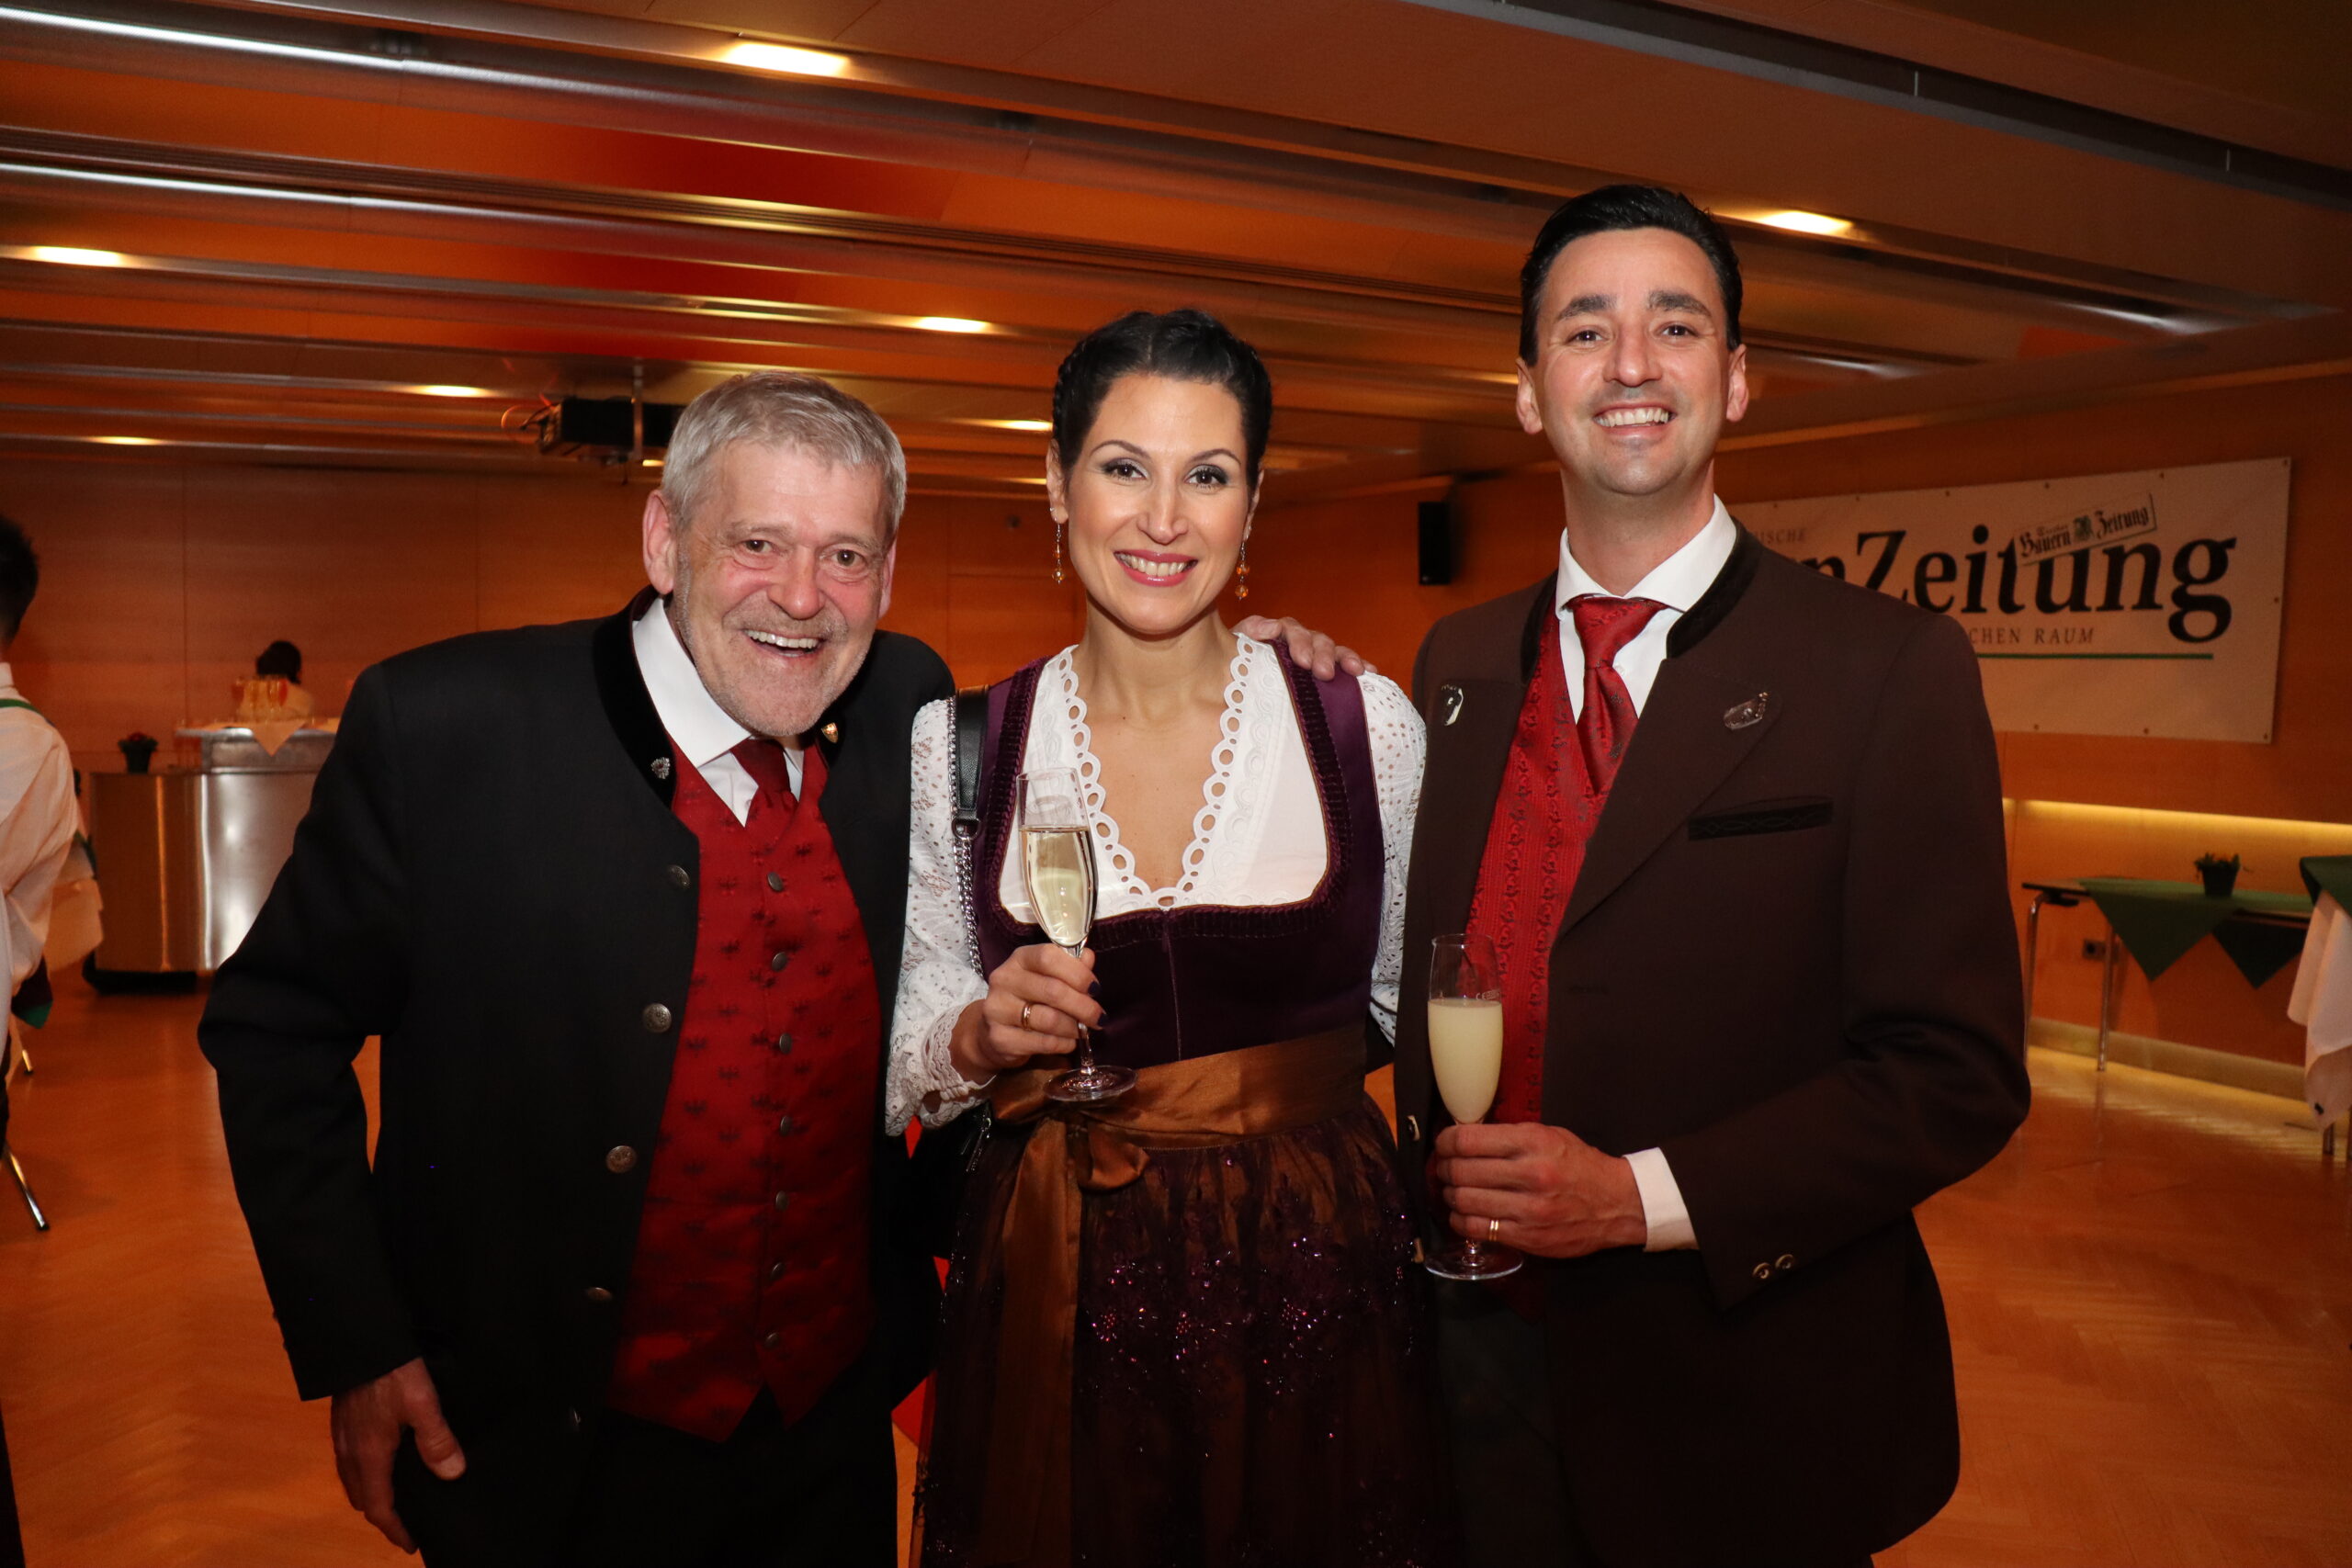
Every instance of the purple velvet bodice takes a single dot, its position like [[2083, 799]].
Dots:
[[1204, 977]]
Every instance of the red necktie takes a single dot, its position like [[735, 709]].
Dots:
[[1604, 627], [763, 760]]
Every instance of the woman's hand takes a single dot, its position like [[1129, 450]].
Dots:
[[1035, 1003]]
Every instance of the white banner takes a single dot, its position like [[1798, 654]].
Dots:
[[2141, 604]]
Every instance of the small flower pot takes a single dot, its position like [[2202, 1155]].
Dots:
[[2219, 880], [137, 752]]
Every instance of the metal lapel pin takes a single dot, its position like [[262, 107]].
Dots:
[[832, 733], [662, 768], [1740, 716], [1449, 703]]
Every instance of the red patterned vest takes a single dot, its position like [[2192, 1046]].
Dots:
[[751, 1263], [1543, 818]]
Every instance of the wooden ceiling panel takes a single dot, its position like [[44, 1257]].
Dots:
[[1412, 72], [555, 199], [809, 20], [2235, 72]]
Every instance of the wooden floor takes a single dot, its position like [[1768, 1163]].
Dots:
[[2151, 1295]]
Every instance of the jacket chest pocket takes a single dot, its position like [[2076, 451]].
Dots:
[[1793, 815]]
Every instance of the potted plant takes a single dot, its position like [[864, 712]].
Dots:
[[2219, 876], [137, 751]]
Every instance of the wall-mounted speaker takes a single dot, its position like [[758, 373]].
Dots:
[[610, 423], [1437, 542]]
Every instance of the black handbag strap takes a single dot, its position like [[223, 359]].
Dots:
[[971, 1129], [971, 734]]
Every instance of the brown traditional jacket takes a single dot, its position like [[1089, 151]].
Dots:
[[1789, 962]]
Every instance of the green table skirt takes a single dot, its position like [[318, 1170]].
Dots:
[[2329, 873], [2158, 921]]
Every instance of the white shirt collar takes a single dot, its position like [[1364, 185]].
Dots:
[[700, 728], [1678, 583]]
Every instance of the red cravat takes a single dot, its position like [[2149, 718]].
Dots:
[[763, 760], [1604, 627]]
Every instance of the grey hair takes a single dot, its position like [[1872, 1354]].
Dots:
[[781, 408]]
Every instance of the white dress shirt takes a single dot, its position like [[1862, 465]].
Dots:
[[1678, 583], [37, 818], [703, 732]]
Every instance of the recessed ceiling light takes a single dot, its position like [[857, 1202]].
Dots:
[[126, 440], [1807, 222], [952, 324], [785, 57], [444, 390], [74, 256]]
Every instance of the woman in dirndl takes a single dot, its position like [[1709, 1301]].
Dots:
[[1183, 1326]]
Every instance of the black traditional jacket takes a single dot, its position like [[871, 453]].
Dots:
[[492, 879]]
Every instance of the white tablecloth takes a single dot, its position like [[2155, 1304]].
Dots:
[[2322, 1005]]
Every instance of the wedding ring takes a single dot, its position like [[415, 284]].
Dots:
[[1493, 1229], [1024, 1015]]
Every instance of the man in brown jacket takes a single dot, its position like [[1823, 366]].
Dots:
[[1734, 829]]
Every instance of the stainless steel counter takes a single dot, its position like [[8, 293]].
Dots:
[[186, 858]]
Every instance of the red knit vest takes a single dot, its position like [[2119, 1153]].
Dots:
[[751, 1263], [1543, 818]]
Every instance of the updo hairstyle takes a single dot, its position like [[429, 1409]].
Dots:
[[1182, 346]]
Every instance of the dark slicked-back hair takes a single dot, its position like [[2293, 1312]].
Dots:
[[1183, 345], [1614, 208], [281, 658], [20, 576]]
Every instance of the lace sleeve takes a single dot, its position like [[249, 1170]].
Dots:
[[939, 975], [1396, 740]]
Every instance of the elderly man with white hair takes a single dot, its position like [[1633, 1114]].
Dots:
[[625, 901]]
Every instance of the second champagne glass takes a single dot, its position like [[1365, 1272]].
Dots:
[[1058, 867], [1467, 1054]]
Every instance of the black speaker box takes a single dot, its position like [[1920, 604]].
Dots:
[[1437, 542], [606, 421]]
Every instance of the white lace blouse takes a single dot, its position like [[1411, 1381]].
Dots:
[[1258, 840]]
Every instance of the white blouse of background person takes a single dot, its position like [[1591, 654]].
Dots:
[[38, 817], [1258, 841]]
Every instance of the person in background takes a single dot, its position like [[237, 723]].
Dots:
[[37, 825], [1733, 830], [1183, 1326], [283, 661]]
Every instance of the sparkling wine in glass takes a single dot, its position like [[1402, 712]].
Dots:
[[1058, 867], [1467, 1054]]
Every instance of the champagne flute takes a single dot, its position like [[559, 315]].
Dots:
[[1467, 1054], [1058, 867]]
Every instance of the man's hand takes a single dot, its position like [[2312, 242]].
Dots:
[[368, 1422], [1313, 650], [1557, 1195]]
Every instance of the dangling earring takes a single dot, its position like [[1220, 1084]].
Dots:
[[1241, 573], [1058, 526]]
